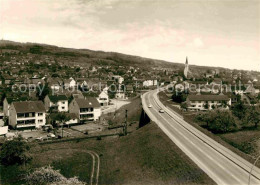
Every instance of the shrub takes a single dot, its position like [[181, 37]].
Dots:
[[15, 152], [218, 121], [47, 175]]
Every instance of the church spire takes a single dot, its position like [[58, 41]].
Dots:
[[186, 60]]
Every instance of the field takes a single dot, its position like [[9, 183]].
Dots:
[[146, 156]]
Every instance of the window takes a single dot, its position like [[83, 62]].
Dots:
[[40, 121], [40, 114], [63, 102], [62, 107]]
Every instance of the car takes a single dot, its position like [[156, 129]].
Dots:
[[39, 138], [51, 135], [149, 106], [161, 111]]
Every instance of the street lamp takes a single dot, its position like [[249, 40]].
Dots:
[[249, 178]]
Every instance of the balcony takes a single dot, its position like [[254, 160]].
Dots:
[[86, 110]]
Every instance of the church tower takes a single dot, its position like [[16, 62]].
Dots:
[[186, 69]]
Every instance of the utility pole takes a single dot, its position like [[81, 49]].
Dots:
[[125, 125]]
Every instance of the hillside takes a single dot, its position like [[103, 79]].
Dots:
[[146, 156], [94, 57]]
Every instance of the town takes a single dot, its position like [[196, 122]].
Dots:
[[129, 92]]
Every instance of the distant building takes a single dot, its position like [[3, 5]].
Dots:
[[207, 102], [149, 83], [27, 114], [57, 102], [120, 94], [86, 109], [118, 79], [186, 69], [103, 98]]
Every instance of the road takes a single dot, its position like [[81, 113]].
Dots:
[[95, 167], [221, 164]]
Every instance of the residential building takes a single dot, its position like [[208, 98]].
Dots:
[[103, 98], [207, 102], [69, 83], [59, 103], [148, 83], [86, 109], [7, 103], [118, 79], [27, 114], [120, 94]]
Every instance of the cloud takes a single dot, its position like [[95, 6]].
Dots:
[[197, 42]]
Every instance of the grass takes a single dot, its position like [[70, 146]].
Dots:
[[244, 140], [147, 156], [133, 112]]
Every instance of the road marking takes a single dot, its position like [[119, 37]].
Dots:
[[191, 143]]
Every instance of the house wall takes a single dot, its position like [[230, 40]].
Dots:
[[103, 99], [63, 103], [74, 108], [97, 113], [47, 103], [6, 107], [12, 117], [199, 105]]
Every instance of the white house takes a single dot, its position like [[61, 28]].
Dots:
[[87, 109], [69, 83], [58, 102], [27, 114], [148, 83], [207, 102], [118, 79], [103, 98], [120, 94]]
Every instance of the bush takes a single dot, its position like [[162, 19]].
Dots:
[[15, 152], [218, 121], [47, 175]]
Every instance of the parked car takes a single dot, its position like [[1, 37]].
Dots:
[[51, 135], [149, 106]]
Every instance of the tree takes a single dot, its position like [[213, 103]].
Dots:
[[62, 118], [179, 97], [45, 91], [15, 152], [239, 110], [252, 116], [184, 105], [222, 121], [218, 121]]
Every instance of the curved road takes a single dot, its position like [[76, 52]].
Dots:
[[221, 164], [95, 167]]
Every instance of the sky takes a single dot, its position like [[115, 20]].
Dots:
[[223, 33]]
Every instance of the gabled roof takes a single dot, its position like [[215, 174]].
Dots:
[[87, 102], [208, 97], [12, 99], [57, 98], [29, 106]]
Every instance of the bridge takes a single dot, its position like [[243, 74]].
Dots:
[[220, 163]]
